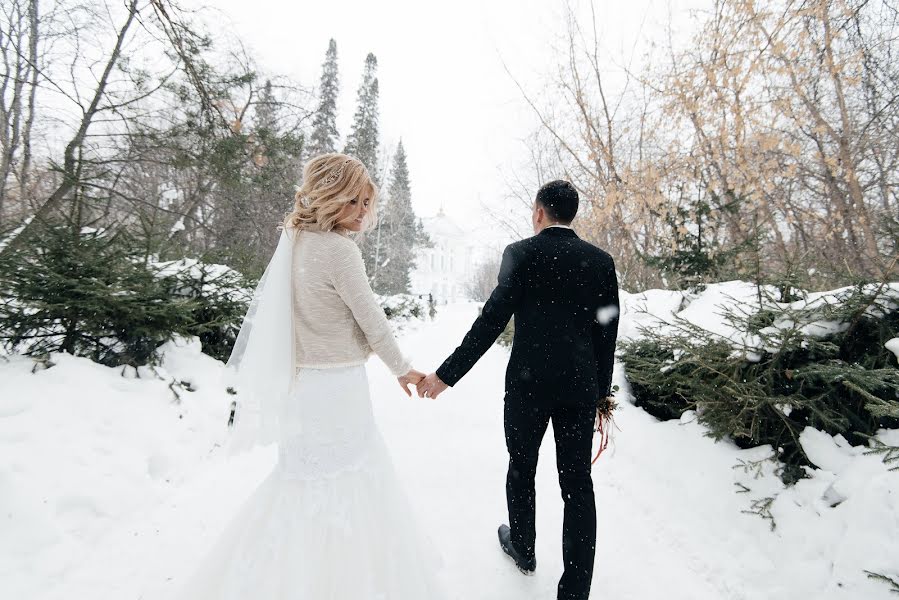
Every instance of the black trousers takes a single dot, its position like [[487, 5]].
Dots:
[[573, 430]]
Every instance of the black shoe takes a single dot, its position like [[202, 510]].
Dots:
[[525, 565]]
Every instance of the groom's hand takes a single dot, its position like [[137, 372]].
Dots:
[[413, 377], [430, 387]]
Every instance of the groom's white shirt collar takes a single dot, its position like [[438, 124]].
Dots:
[[557, 225]]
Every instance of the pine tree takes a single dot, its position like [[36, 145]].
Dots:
[[87, 293], [363, 143], [324, 124], [255, 171], [364, 139], [266, 110], [270, 178], [768, 386], [697, 256], [217, 297], [401, 232]]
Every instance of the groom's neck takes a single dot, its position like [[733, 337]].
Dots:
[[546, 224]]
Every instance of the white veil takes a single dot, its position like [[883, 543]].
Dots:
[[261, 366]]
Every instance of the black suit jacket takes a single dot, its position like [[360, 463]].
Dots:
[[564, 294]]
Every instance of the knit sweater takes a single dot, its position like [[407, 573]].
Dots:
[[337, 321]]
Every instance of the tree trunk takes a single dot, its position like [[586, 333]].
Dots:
[[870, 251], [25, 173], [71, 166]]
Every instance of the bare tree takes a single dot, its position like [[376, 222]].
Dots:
[[777, 123], [169, 134], [19, 39], [484, 280], [793, 108]]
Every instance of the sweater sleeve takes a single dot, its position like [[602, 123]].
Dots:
[[349, 279]]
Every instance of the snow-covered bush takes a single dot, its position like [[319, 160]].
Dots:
[[88, 293], [508, 334], [762, 375], [405, 307], [219, 297]]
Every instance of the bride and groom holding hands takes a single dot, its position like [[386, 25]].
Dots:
[[331, 521]]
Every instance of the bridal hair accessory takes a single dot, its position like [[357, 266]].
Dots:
[[336, 173], [300, 197]]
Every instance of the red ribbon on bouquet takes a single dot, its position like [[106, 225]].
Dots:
[[604, 423]]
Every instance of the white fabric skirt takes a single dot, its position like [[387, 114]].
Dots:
[[331, 521]]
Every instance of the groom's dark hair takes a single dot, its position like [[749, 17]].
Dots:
[[559, 199]]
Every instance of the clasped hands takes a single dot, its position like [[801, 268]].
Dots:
[[427, 386]]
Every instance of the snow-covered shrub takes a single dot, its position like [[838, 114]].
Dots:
[[219, 299], [86, 292], [822, 362], [405, 307], [90, 294], [508, 334]]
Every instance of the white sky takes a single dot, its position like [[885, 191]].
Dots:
[[444, 89]]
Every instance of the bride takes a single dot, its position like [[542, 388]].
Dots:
[[331, 521]]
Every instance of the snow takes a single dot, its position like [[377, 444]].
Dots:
[[112, 488], [605, 314], [711, 304], [5, 241], [401, 308], [217, 279], [888, 297], [669, 311], [647, 309], [893, 346], [194, 268]]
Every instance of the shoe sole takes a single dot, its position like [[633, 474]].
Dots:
[[517, 566]]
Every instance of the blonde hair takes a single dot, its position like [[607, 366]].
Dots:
[[330, 181]]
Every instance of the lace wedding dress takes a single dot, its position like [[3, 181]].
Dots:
[[331, 521]]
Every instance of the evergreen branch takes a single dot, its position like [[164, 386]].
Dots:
[[172, 385], [43, 362], [879, 407], [753, 466], [156, 372], [894, 585], [873, 298], [889, 453], [761, 507], [125, 370]]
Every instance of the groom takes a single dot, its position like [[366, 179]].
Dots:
[[564, 294]]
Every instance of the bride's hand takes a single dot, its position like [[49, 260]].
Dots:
[[410, 378]]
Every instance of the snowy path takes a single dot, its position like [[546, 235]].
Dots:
[[457, 462], [670, 523]]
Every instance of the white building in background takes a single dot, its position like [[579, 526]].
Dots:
[[445, 269]]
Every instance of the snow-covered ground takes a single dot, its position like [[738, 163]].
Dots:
[[110, 488]]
